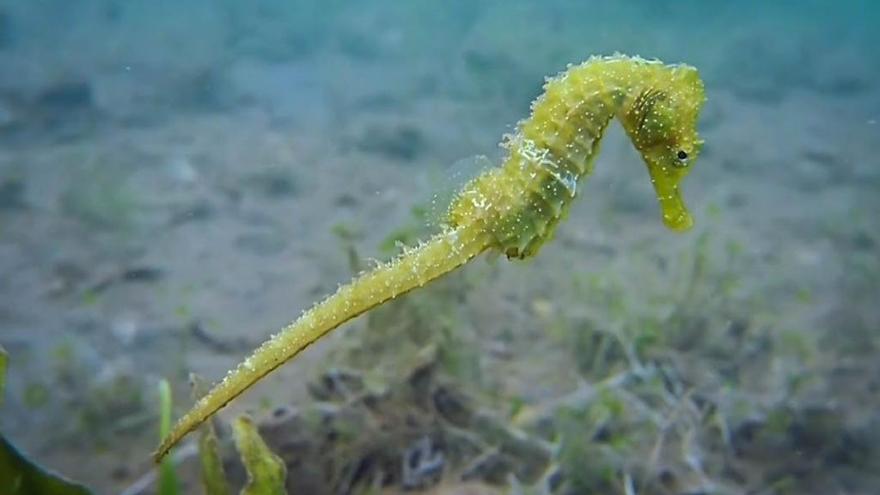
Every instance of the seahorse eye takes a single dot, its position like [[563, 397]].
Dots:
[[682, 159]]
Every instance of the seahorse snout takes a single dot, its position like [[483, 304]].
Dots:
[[675, 213]]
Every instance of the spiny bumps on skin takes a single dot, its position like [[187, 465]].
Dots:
[[515, 208]]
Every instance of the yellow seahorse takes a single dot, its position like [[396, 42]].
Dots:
[[514, 208]]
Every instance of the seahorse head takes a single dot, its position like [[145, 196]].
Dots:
[[661, 119]]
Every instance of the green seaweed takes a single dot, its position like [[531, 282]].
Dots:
[[35, 395], [212, 474], [168, 484], [4, 364], [266, 471], [21, 476]]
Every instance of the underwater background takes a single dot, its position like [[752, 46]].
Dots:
[[179, 179]]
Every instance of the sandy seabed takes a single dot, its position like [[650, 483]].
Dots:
[[140, 241]]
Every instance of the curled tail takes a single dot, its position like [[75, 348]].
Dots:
[[412, 269]]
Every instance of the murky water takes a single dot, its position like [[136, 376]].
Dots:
[[178, 180]]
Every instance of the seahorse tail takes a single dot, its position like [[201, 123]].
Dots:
[[414, 268]]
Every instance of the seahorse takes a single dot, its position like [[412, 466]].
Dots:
[[513, 208]]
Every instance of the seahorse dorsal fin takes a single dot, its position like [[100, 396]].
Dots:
[[449, 181]]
